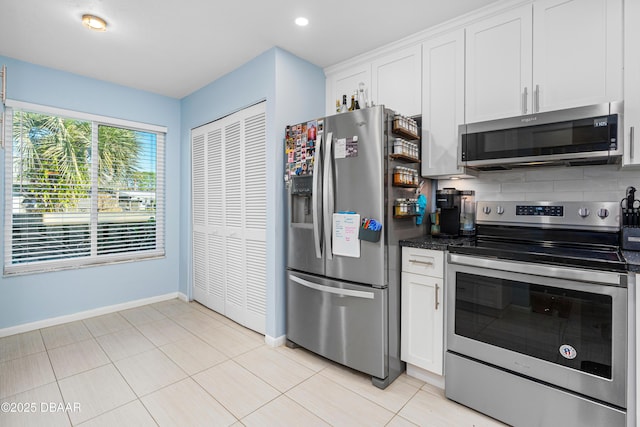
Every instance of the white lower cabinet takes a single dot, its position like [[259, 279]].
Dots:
[[422, 309]]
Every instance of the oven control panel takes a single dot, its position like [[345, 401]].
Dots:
[[603, 216], [540, 210]]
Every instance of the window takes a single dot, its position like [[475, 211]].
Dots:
[[80, 190]]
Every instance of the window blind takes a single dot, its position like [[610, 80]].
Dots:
[[80, 192]]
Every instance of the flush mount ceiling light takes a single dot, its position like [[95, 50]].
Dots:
[[302, 21], [94, 23]]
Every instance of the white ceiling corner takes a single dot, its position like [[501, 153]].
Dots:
[[173, 48]]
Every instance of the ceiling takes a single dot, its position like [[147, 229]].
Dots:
[[175, 47]]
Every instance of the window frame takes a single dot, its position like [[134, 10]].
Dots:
[[94, 259]]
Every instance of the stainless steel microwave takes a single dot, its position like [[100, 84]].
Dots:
[[577, 136]]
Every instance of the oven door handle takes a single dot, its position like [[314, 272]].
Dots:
[[545, 270]]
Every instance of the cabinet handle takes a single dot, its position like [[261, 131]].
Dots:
[[524, 100], [537, 99], [631, 142], [437, 302], [416, 261]]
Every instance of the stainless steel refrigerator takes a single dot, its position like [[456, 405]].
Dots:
[[343, 275]]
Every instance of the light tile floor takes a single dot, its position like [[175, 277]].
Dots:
[[180, 364]]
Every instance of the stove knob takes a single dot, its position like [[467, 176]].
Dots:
[[499, 210], [603, 213], [583, 212], [486, 210]]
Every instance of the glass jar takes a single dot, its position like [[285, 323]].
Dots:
[[397, 175], [398, 146], [397, 208]]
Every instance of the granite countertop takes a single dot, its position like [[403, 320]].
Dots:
[[436, 243], [440, 244], [633, 260]]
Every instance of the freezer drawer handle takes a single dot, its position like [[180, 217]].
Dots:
[[331, 290]]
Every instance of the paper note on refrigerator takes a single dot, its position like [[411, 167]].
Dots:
[[345, 235], [340, 148]]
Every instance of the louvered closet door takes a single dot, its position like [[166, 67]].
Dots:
[[199, 213], [255, 218], [215, 220], [235, 300], [229, 216]]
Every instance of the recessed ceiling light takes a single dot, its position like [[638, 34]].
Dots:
[[302, 21], [94, 23]]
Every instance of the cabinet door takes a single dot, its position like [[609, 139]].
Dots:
[[631, 83], [442, 103], [577, 53], [422, 322], [347, 82], [498, 64], [396, 81]]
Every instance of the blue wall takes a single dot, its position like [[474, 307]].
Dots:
[[34, 297], [294, 91]]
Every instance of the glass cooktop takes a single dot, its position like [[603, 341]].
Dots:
[[597, 251]]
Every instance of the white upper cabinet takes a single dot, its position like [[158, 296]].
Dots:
[[577, 53], [498, 64], [442, 103], [393, 79], [347, 82], [550, 55], [631, 83], [396, 81]]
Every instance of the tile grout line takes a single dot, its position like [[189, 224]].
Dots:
[[68, 414]]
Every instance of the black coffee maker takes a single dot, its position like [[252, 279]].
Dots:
[[448, 202]]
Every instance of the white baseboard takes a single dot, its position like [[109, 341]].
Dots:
[[275, 342], [426, 376], [183, 297], [53, 321]]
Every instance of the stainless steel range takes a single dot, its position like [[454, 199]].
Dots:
[[537, 315]]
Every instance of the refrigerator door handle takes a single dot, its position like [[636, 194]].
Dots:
[[327, 195], [332, 290], [317, 217]]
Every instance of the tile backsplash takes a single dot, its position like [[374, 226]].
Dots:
[[605, 183]]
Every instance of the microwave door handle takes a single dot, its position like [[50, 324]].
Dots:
[[327, 195], [315, 198]]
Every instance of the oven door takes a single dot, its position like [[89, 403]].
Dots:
[[563, 326]]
